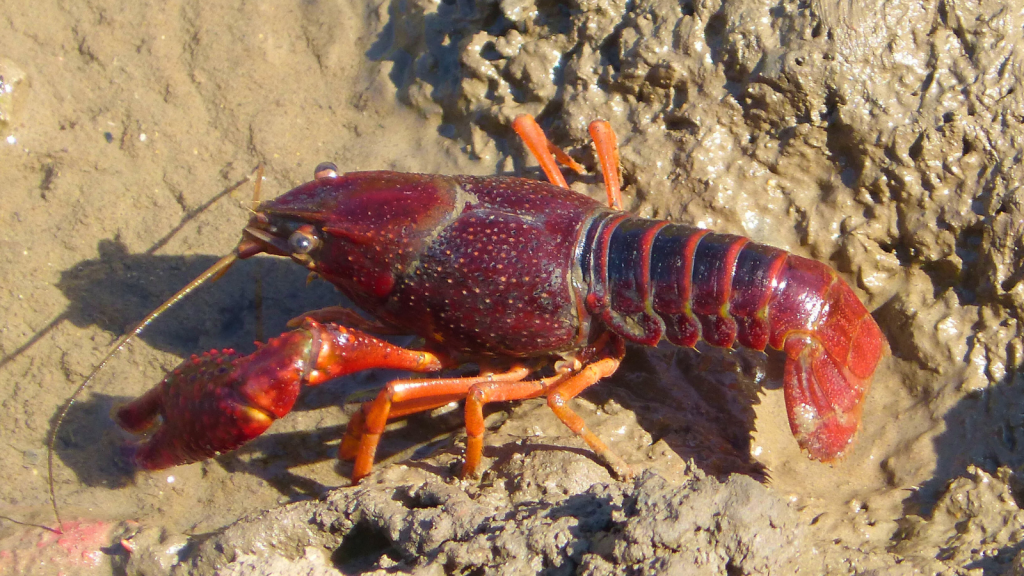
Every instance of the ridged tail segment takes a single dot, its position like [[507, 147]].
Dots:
[[649, 279]]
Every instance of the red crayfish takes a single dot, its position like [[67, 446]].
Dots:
[[535, 284]]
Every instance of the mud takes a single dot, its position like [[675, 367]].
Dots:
[[694, 524], [883, 138]]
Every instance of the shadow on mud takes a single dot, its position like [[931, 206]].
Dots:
[[985, 429], [700, 402], [118, 289], [89, 444]]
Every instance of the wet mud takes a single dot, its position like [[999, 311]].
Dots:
[[884, 139]]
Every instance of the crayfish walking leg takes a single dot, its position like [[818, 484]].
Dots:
[[403, 397], [218, 401]]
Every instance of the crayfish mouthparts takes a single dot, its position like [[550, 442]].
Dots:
[[258, 241]]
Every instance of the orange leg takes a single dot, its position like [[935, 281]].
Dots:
[[560, 389], [544, 150], [494, 392], [546, 153], [349, 447], [558, 401], [403, 397], [608, 155]]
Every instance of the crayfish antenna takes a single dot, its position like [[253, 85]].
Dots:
[[214, 272], [258, 285], [256, 187]]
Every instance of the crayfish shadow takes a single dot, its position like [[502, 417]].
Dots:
[[699, 402], [119, 288], [985, 429], [90, 444], [273, 457]]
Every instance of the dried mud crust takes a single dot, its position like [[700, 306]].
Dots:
[[693, 524]]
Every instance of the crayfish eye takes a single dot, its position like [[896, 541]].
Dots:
[[302, 241], [325, 170]]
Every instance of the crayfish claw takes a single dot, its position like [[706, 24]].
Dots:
[[140, 414], [216, 402], [198, 411], [188, 440]]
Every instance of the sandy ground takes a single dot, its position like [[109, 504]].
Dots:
[[885, 140]]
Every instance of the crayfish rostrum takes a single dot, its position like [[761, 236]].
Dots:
[[535, 284]]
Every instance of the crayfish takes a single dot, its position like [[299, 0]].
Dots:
[[537, 286]]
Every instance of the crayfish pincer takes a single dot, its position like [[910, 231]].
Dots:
[[537, 285]]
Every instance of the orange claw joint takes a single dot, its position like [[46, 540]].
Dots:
[[216, 402]]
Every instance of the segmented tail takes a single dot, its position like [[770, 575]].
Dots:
[[650, 279]]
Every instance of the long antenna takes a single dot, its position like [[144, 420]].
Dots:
[[218, 268], [214, 272]]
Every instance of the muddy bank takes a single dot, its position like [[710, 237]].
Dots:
[[884, 140], [554, 527]]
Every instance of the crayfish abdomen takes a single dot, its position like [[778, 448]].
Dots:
[[648, 279]]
